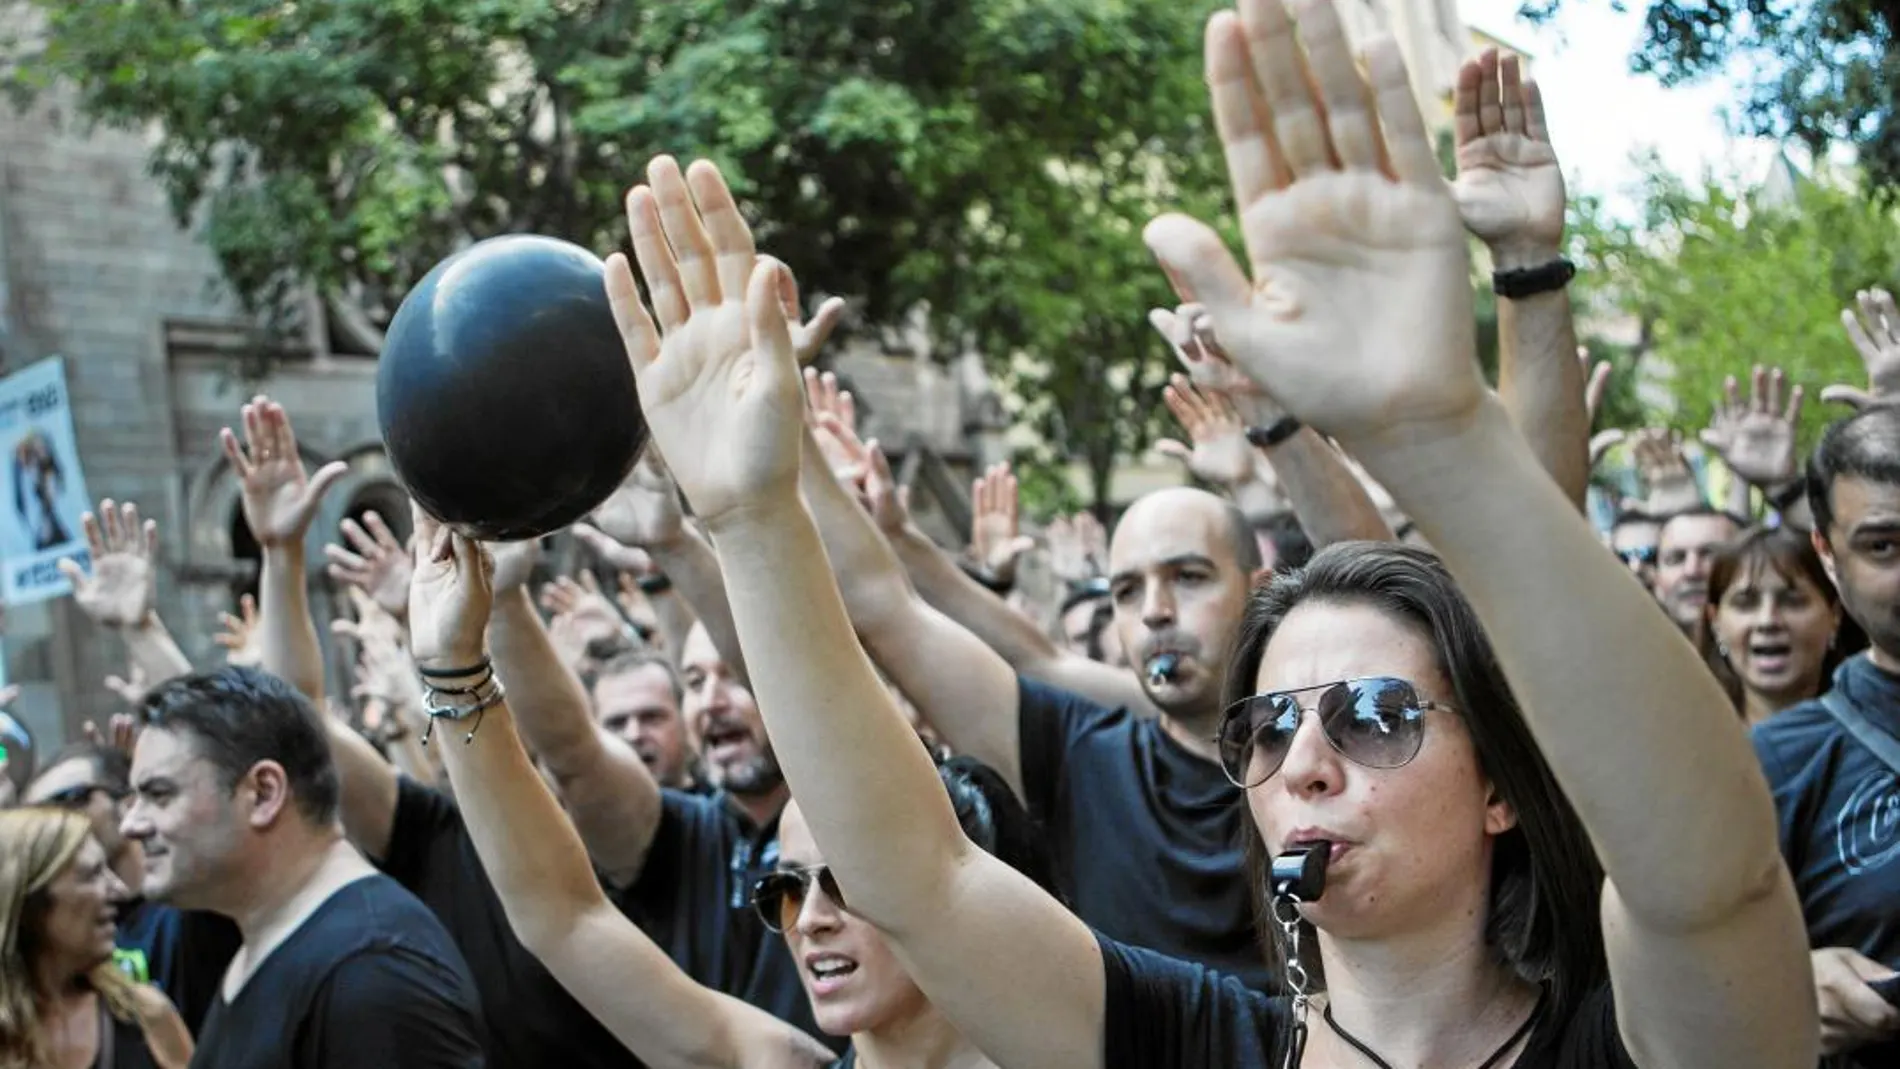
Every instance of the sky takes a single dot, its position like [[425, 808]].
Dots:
[[1601, 113]]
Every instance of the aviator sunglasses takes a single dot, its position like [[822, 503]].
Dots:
[[780, 896], [1378, 722]]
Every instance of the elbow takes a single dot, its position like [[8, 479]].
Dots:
[[1737, 866]]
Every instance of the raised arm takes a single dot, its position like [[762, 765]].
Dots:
[[279, 504], [535, 860], [610, 794], [1364, 329], [726, 373], [1510, 193], [960, 684]]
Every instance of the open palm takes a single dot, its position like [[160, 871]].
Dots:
[[645, 509], [123, 582], [1510, 189], [279, 499], [1356, 315], [714, 360]]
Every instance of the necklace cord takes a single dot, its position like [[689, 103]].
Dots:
[[1537, 1012]]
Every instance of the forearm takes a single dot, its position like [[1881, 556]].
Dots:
[[611, 796], [694, 569], [869, 573], [152, 650], [1619, 702], [287, 634], [1542, 384], [1331, 503], [951, 591], [882, 822]]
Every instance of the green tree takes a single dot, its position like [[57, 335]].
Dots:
[[989, 159], [1819, 72], [1724, 278]]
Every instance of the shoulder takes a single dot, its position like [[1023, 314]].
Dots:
[[1788, 741], [426, 819], [1162, 1010], [1043, 702]]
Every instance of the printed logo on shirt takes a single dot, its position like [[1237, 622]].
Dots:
[[132, 962], [1867, 830]]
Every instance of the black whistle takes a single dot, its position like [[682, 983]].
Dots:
[[1301, 874], [1161, 669]]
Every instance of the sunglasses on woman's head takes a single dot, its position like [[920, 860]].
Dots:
[[1378, 722], [779, 897]]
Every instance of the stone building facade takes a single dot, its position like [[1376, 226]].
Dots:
[[94, 269]]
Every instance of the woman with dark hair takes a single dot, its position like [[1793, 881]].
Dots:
[[1776, 631], [1389, 746], [63, 1003], [554, 902]]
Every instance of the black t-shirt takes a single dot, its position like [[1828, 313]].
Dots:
[[1838, 806], [531, 1019], [369, 979], [1147, 837], [693, 898], [183, 952], [1162, 1011]]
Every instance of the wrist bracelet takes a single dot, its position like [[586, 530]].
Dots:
[[657, 583], [986, 579], [487, 665], [489, 695], [1520, 282], [1267, 437]]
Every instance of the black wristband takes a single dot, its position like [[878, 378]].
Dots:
[[988, 581], [1267, 437], [1522, 282], [486, 665], [657, 583]]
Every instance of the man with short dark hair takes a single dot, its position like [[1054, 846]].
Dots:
[[1633, 538], [236, 805], [1834, 795]]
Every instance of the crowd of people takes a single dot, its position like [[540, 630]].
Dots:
[[1364, 749]]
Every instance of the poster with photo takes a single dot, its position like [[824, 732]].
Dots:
[[44, 491]]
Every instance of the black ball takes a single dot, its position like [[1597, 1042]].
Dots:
[[506, 400]]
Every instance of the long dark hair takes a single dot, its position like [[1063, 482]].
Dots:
[[1546, 884], [995, 819], [1790, 553]]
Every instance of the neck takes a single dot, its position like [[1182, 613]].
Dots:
[[761, 808], [1886, 662], [62, 979], [1439, 998], [292, 880], [1194, 733], [924, 1040], [1758, 706]]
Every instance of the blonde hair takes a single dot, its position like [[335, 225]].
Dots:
[[38, 843]]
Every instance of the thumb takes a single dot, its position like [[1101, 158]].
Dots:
[[325, 478], [74, 574], [1712, 440], [1020, 545], [1192, 253], [1846, 395], [1169, 447]]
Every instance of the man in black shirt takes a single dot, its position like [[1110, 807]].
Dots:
[[183, 953], [1835, 798], [235, 805], [1119, 766]]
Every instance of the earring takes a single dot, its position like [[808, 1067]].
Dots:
[[1722, 649]]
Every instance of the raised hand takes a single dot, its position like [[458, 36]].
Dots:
[[808, 335], [996, 538], [1189, 331], [1665, 471], [376, 562], [1875, 333], [833, 413], [279, 499], [449, 597], [614, 553], [238, 634], [1510, 191], [580, 615], [1357, 312], [883, 496], [714, 360], [645, 510], [514, 564], [385, 674], [1756, 437], [124, 580], [1078, 547], [130, 688], [373, 623], [1220, 452]]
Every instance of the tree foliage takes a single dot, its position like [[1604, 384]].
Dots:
[[1725, 277], [992, 160], [1819, 71]]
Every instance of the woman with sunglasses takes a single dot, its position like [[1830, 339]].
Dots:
[[64, 1004], [540, 871], [1358, 320]]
